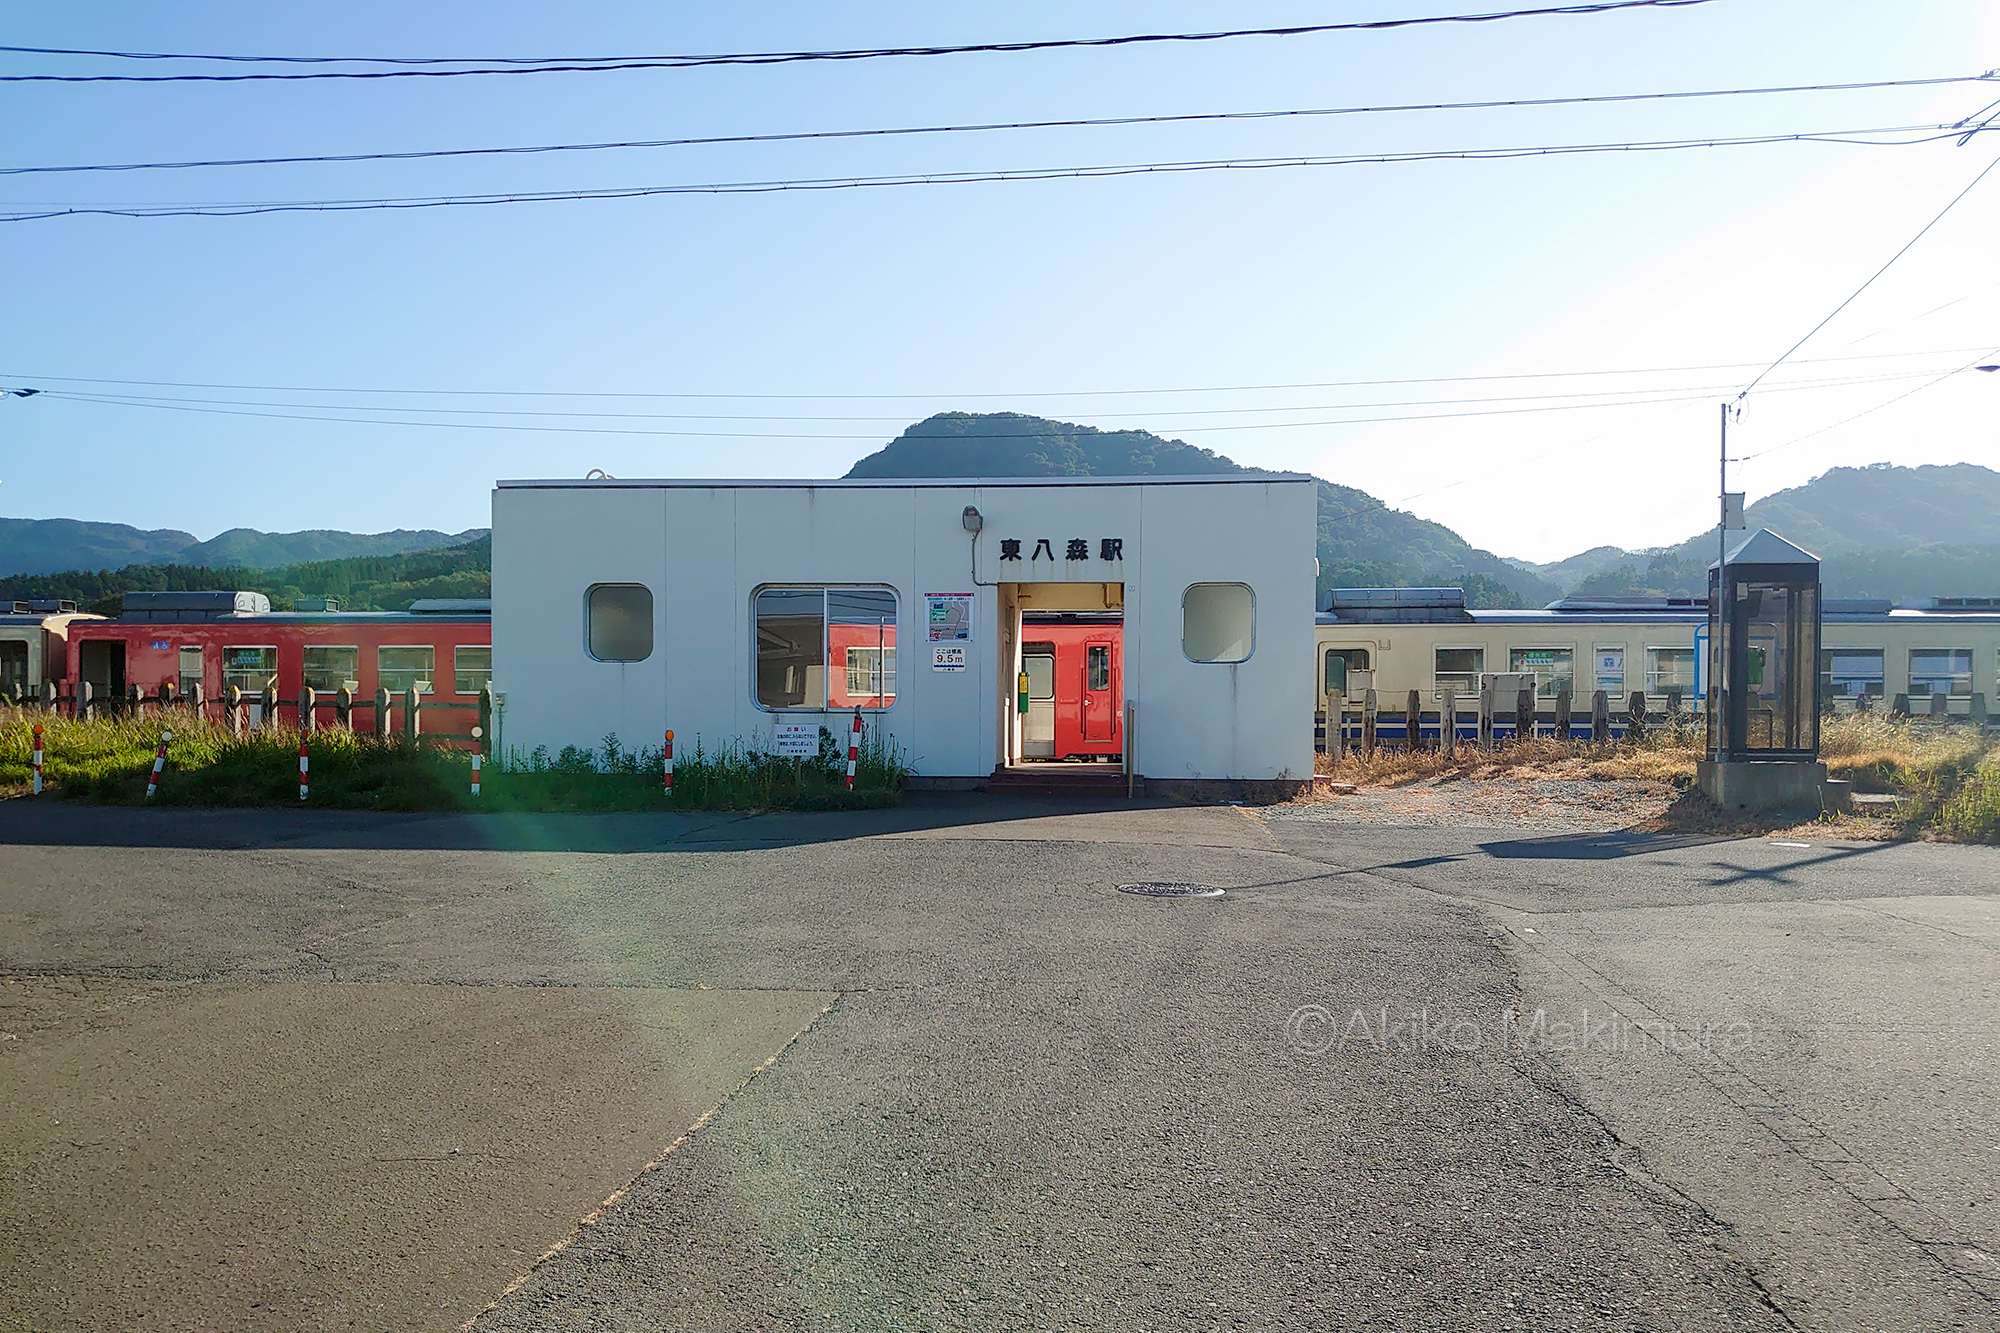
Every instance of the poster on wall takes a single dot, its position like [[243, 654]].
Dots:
[[947, 657], [948, 616]]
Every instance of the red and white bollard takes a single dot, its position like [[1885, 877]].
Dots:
[[477, 732], [38, 759], [853, 749], [159, 762], [667, 767], [303, 780]]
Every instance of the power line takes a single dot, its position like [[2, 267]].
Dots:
[[599, 64], [1628, 395], [1859, 137], [1663, 398], [1801, 439], [1876, 274], [982, 127], [905, 397]]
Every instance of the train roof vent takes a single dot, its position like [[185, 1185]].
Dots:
[[433, 606], [182, 606], [1397, 605], [57, 606], [1856, 606]]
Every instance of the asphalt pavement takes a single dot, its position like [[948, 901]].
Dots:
[[927, 1069]]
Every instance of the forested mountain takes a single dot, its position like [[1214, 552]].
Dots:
[[48, 545], [362, 583], [1881, 531], [1362, 542]]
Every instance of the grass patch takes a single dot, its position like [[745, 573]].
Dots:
[[1947, 777], [108, 760]]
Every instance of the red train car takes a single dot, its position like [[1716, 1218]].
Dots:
[[1076, 690], [444, 648], [863, 671]]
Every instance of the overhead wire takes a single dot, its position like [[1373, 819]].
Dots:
[[1878, 272], [1659, 398], [423, 66], [1627, 395], [990, 126], [1933, 383], [984, 394], [31, 212]]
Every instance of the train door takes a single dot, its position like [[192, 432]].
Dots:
[[14, 667], [102, 663], [1100, 721], [1038, 725]]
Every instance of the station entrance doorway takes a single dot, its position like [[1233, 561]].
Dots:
[[1065, 693]]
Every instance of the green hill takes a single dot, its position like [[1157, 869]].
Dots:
[[1880, 531], [362, 583], [1362, 542], [52, 545]]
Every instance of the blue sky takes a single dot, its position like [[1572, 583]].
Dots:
[[842, 316]]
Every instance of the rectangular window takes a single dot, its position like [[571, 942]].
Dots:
[[1552, 668], [800, 630], [402, 668], [330, 669], [471, 669], [1040, 669], [1940, 671], [1458, 670], [1098, 665], [190, 669], [249, 669], [871, 673], [1851, 673], [1667, 669], [1608, 663], [1340, 661]]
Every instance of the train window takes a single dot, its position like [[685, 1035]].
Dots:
[[1458, 670], [871, 673], [799, 631], [1218, 622], [13, 666], [1941, 671], [621, 622], [191, 674], [329, 669], [249, 669], [1340, 661], [1851, 673], [1040, 669], [407, 667], [1672, 668], [1609, 666], [1553, 668], [1098, 666], [471, 668]]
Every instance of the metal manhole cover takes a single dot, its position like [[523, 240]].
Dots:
[[1170, 889]]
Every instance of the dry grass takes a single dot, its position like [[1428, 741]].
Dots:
[[1948, 777]]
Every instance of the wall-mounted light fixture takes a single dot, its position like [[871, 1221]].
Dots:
[[972, 520]]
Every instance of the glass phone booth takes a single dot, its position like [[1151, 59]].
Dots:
[[1763, 643]]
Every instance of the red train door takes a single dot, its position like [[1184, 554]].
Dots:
[[1100, 690]]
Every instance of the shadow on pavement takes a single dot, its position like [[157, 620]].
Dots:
[[26, 822]]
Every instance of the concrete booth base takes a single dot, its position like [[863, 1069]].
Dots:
[[1767, 784]]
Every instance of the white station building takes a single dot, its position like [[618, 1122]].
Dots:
[[1159, 628]]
